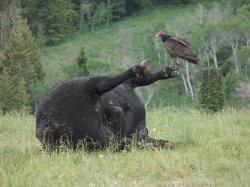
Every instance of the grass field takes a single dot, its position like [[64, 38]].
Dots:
[[216, 152]]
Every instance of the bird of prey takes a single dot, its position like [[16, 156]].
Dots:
[[178, 48]]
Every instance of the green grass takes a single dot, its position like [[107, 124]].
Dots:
[[215, 152]]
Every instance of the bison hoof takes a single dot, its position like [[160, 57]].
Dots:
[[173, 70], [145, 63], [142, 68]]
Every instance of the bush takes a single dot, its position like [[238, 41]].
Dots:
[[211, 93]]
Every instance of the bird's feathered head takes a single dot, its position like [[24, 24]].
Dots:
[[160, 34]]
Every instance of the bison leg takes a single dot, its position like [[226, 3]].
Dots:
[[47, 138], [144, 141], [113, 115], [105, 84], [147, 79]]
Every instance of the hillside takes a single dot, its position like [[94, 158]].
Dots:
[[113, 48], [209, 27]]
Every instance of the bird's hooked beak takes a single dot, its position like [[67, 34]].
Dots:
[[157, 35]]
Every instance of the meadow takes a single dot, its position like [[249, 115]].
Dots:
[[215, 152]]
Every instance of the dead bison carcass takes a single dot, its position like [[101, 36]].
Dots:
[[97, 111]]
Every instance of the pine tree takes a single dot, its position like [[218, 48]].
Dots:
[[22, 56], [58, 20], [78, 67], [82, 63], [22, 64], [7, 93], [21, 97], [49, 19], [211, 90]]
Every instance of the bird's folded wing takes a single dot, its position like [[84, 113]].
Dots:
[[180, 41]]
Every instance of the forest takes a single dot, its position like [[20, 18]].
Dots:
[[43, 42]]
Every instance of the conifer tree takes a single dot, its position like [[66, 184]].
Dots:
[[49, 19], [7, 93], [58, 20], [78, 67], [22, 56], [82, 63], [211, 90], [22, 66], [21, 97]]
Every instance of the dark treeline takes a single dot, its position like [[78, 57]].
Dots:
[[51, 21]]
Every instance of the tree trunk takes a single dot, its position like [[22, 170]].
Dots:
[[213, 53], [108, 20], [207, 57], [247, 38], [1, 30], [200, 13], [188, 80], [93, 25], [184, 82], [234, 46], [80, 24]]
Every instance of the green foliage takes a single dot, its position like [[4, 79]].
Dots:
[[21, 97], [58, 20], [244, 58], [79, 66], [244, 12], [7, 92], [211, 90], [82, 15], [21, 67], [99, 15], [22, 56], [231, 80], [244, 55], [53, 19], [82, 63], [236, 3], [118, 9]]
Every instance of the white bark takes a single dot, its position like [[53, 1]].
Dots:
[[200, 13], [246, 67], [188, 80], [108, 20], [1, 29], [210, 48], [234, 45], [247, 39], [213, 52], [184, 82], [207, 57]]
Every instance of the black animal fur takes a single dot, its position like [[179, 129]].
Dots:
[[97, 111]]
